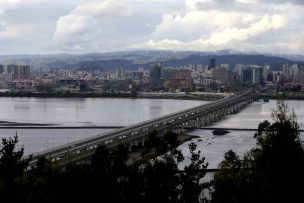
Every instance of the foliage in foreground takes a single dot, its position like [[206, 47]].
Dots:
[[107, 178], [271, 172]]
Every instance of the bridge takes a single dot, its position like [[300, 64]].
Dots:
[[199, 116]]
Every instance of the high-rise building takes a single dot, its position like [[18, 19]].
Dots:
[[2, 69], [120, 73], [21, 72], [287, 72], [156, 75], [11, 68], [238, 69], [277, 77], [295, 71], [7, 77], [256, 74], [211, 63], [221, 74], [301, 74], [246, 75], [225, 65], [265, 72]]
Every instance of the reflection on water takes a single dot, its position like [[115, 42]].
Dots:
[[97, 111]]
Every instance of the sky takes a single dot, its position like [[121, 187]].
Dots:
[[86, 26]]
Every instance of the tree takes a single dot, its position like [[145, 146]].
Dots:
[[191, 186], [271, 172], [170, 139], [101, 160], [12, 169], [229, 181]]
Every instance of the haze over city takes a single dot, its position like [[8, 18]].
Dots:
[[82, 26]]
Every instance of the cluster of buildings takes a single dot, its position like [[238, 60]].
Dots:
[[214, 77], [14, 76], [158, 77], [169, 78]]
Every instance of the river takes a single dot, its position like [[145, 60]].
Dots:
[[84, 112], [213, 147], [90, 112]]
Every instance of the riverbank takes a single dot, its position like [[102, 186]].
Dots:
[[283, 95], [69, 95], [207, 96], [136, 155]]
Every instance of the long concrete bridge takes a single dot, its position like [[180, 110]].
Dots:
[[199, 116]]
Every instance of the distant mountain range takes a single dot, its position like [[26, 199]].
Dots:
[[132, 60]]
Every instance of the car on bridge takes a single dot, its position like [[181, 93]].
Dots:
[[108, 141], [122, 137]]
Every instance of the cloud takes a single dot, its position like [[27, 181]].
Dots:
[[298, 2], [5, 4], [107, 25], [73, 25], [2, 22], [231, 38], [252, 25], [8, 33], [106, 8], [165, 44], [242, 34], [83, 22], [197, 24]]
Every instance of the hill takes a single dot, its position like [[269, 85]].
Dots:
[[132, 60]]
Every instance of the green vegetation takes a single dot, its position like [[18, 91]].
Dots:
[[107, 178], [271, 172]]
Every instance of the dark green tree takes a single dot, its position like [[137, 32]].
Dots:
[[190, 179], [157, 180], [170, 139], [271, 172], [12, 169], [101, 160]]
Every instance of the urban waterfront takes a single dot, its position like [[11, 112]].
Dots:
[[92, 112]]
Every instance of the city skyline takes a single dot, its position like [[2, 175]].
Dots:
[[51, 27]]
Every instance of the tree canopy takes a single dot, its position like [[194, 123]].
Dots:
[[270, 172]]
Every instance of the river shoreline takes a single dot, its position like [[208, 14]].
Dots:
[[132, 95], [122, 95]]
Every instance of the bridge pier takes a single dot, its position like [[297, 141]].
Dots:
[[217, 115]]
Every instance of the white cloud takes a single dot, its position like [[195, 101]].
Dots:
[[242, 34], [10, 33], [73, 25], [165, 44], [194, 24], [82, 23], [247, 25], [4, 4], [231, 38], [106, 8]]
